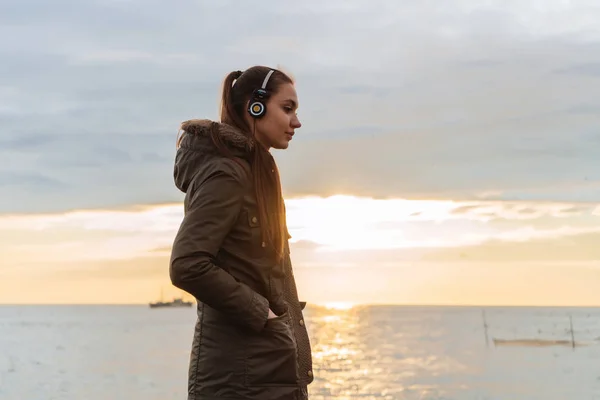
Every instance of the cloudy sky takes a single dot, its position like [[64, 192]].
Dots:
[[448, 154]]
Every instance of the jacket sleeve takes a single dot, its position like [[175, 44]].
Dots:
[[212, 210]]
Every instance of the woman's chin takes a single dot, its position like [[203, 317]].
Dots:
[[281, 145]]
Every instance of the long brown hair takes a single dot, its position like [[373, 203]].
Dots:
[[267, 183]]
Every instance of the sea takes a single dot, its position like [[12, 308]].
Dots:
[[131, 352]]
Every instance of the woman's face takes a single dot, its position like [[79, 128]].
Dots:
[[276, 128]]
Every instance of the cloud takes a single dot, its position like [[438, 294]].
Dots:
[[98, 171], [479, 97], [112, 57], [588, 69], [585, 108], [551, 246], [320, 228], [10, 180], [487, 211]]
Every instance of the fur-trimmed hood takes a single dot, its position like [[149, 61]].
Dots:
[[197, 148], [230, 135]]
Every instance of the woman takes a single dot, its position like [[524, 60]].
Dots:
[[231, 251]]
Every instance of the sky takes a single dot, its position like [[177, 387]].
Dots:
[[448, 154]]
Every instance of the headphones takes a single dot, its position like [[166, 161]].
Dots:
[[257, 107]]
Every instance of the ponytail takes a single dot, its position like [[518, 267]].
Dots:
[[229, 114], [227, 85]]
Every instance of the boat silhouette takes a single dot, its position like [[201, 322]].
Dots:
[[176, 302]]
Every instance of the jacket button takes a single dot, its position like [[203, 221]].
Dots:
[[301, 322], [263, 244], [309, 373], [254, 220]]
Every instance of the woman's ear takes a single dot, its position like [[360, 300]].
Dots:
[[247, 117]]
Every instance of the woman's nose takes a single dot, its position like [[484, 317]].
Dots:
[[296, 123]]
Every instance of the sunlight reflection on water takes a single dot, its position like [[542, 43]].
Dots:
[[366, 352], [412, 353]]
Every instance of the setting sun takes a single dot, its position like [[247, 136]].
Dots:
[[352, 223], [339, 305]]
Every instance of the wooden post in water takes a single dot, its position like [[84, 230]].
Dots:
[[572, 333], [485, 329]]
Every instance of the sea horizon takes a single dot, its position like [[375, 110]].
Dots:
[[345, 306]]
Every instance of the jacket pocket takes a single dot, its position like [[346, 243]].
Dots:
[[272, 358]]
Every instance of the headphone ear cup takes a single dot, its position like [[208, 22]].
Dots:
[[257, 109]]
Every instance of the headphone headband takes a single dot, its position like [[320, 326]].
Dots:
[[264, 85]]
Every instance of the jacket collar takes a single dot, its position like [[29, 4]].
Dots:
[[201, 129]]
